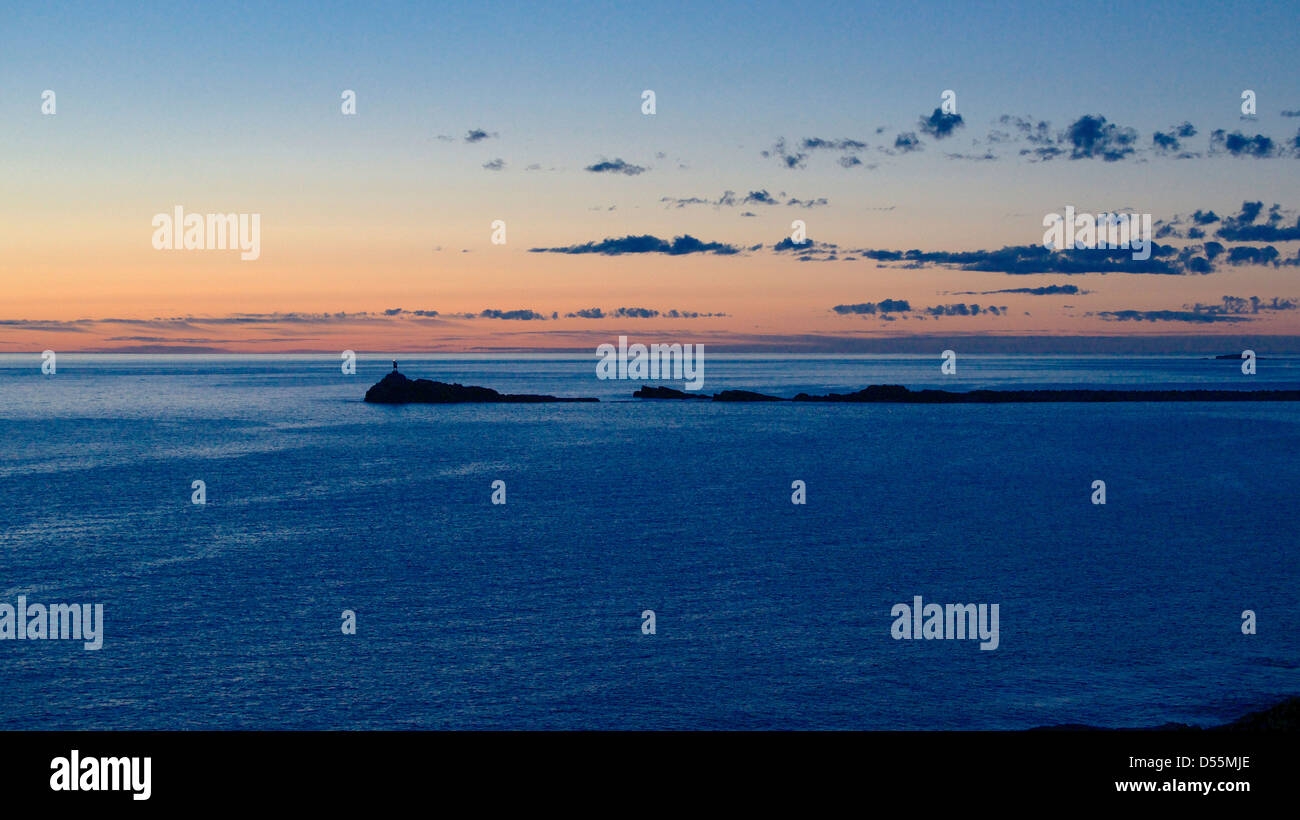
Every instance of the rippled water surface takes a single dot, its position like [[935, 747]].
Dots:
[[528, 615]]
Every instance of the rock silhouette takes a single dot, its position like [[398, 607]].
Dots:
[[395, 388], [897, 394]]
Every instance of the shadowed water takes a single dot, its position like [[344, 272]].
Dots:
[[527, 615]]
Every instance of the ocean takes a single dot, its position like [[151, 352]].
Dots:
[[529, 614]]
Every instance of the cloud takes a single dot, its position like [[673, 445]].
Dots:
[[1244, 227], [513, 315], [940, 125], [874, 308], [1035, 133], [1046, 290], [681, 245], [635, 313], [1247, 255], [1231, 309], [817, 143], [478, 135], [495, 164], [907, 142], [1092, 136], [616, 166], [1241, 145], [1251, 305], [1168, 142], [788, 244], [960, 309], [729, 199], [404, 312], [1030, 259], [885, 309], [790, 159], [691, 314], [640, 313], [1167, 316]]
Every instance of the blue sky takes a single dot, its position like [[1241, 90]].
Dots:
[[236, 106]]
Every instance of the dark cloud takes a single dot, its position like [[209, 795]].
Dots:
[[817, 143], [1035, 133], [1029, 259], [1245, 227], [788, 244], [940, 125], [403, 312], [1251, 305], [635, 313], [645, 243], [729, 199], [1231, 309], [961, 309], [513, 315], [874, 308], [907, 142], [691, 314], [495, 164], [1092, 136], [1247, 255], [790, 159], [1168, 142], [478, 135], [1189, 316], [1241, 145], [886, 308], [639, 313], [615, 166], [1046, 290]]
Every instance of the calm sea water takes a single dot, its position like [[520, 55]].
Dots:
[[527, 615]]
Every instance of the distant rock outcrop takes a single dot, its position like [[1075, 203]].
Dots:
[[897, 394], [395, 388], [647, 392], [1281, 717]]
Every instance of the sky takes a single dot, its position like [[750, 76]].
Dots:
[[925, 223]]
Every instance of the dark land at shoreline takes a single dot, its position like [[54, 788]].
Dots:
[[897, 394], [396, 388], [1281, 717]]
